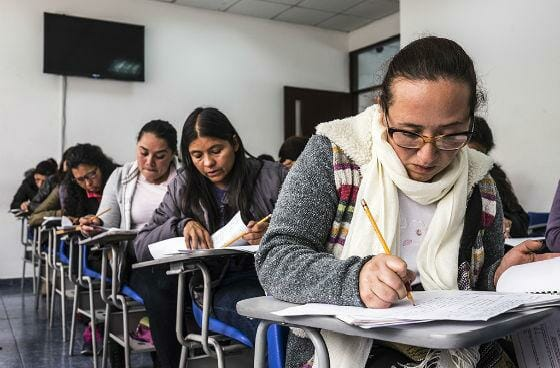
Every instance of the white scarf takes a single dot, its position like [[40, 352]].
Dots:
[[364, 139]]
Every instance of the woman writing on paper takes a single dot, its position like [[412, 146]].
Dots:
[[432, 198], [219, 180]]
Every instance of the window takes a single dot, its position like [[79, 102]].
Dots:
[[367, 69]]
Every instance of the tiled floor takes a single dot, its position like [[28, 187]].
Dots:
[[27, 342]]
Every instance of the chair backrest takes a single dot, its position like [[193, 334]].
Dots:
[[537, 223], [538, 218]]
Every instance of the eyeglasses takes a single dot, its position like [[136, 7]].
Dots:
[[90, 176], [445, 142]]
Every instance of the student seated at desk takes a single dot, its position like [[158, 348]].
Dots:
[[432, 197], [51, 182], [516, 220], [553, 226], [291, 149], [218, 181], [80, 194], [82, 188], [133, 192], [33, 181]]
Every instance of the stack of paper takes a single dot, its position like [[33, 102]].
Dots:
[[430, 306], [220, 238]]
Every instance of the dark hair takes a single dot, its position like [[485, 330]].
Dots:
[[46, 167], [292, 148], [482, 134], [432, 58], [75, 200], [163, 130], [199, 197], [265, 157]]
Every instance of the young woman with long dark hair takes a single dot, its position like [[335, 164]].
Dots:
[[219, 179]]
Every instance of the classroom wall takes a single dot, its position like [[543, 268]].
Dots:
[[514, 44], [193, 57]]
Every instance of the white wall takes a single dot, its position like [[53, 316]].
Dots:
[[514, 44], [193, 57], [377, 31]]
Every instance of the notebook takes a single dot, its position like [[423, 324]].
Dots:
[[537, 346]]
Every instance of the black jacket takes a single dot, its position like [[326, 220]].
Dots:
[[26, 190]]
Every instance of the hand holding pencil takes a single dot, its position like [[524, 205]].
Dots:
[[255, 232], [384, 279]]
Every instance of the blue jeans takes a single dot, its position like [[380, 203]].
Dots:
[[236, 286]]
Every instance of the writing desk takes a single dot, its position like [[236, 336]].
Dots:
[[180, 265], [436, 335]]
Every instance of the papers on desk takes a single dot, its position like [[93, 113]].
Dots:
[[514, 242], [534, 277], [430, 306], [537, 346], [223, 236]]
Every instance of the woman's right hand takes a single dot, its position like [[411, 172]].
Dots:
[[88, 224], [382, 281], [196, 236]]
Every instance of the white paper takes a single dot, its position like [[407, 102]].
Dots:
[[539, 346], [230, 231], [65, 222], [430, 306], [224, 235], [514, 242], [534, 277]]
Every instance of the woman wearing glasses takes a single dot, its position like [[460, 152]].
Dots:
[[80, 194], [432, 197], [81, 191]]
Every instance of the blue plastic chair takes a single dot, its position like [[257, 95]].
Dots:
[[276, 336], [537, 223]]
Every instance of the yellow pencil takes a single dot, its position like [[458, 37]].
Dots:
[[385, 247], [100, 214], [266, 218]]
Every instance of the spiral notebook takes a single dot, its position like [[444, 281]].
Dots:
[[537, 346]]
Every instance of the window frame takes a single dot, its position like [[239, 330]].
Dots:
[[354, 72]]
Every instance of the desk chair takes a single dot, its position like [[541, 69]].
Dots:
[[124, 307], [537, 223], [41, 258], [211, 324], [28, 256], [87, 300], [277, 336], [62, 271]]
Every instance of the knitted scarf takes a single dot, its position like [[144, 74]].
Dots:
[[383, 174]]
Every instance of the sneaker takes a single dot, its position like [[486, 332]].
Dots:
[[87, 349]]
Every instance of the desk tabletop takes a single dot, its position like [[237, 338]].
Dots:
[[110, 236], [435, 335], [190, 255]]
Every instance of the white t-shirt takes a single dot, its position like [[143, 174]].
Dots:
[[414, 221], [147, 198]]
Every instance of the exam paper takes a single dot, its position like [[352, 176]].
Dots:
[[539, 346], [230, 231], [224, 235], [430, 306]]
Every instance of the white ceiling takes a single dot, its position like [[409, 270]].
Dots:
[[340, 15]]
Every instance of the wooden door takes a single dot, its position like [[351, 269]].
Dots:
[[305, 108]]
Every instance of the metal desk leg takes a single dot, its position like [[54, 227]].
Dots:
[[261, 345], [321, 352]]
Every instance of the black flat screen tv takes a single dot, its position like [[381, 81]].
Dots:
[[93, 48]]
